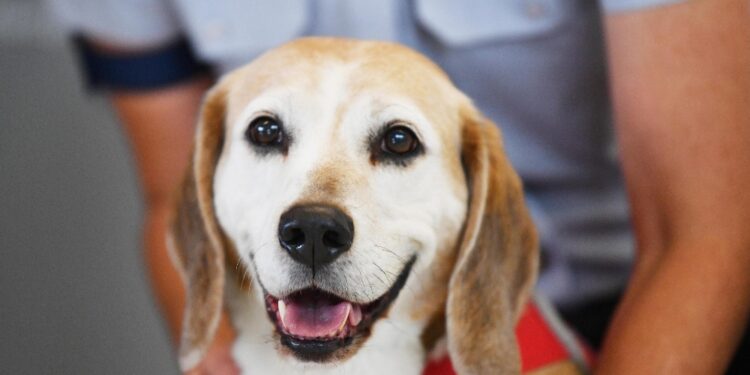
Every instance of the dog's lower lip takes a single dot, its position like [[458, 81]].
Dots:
[[307, 345]]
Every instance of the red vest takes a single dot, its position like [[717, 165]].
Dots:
[[541, 339]]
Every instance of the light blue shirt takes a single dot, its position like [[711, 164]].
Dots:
[[536, 67]]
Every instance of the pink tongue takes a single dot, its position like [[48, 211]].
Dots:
[[315, 317]]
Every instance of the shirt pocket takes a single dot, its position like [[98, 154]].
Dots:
[[470, 22], [223, 30]]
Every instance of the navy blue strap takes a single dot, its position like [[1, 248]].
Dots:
[[146, 70]]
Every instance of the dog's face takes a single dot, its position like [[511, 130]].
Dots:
[[337, 172], [337, 175]]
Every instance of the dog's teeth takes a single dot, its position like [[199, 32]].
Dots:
[[355, 316], [346, 319], [282, 312]]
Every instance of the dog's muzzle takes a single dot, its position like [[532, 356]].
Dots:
[[314, 323]]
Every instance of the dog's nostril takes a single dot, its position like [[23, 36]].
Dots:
[[293, 236], [333, 239]]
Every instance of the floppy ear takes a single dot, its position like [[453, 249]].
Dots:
[[194, 237], [497, 259]]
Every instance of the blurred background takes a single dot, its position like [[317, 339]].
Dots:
[[73, 292]]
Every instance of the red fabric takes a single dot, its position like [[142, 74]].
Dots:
[[441, 367], [538, 344]]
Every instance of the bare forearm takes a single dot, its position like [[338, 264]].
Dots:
[[681, 85], [678, 317], [159, 126]]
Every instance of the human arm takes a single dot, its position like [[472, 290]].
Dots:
[[136, 52], [160, 127], [159, 124], [680, 80]]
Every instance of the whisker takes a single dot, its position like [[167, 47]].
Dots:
[[399, 257], [372, 291], [378, 277]]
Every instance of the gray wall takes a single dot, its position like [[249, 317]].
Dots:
[[73, 293]]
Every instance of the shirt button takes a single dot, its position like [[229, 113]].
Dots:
[[214, 30], [535, 10]]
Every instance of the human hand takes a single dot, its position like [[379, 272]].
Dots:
[[218, 361]]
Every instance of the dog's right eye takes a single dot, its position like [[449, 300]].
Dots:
[[266, 132]]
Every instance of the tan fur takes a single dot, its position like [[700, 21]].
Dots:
[[196, 238], [326, 182], [497, 262], [499, 255]]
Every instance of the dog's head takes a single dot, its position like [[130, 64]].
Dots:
[[351, 180]]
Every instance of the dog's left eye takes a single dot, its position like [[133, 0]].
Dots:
[[266, 131], [396, 144], [399, 140]]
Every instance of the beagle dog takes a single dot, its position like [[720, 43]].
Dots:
[[356, 214]]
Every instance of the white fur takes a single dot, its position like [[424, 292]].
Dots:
[[397, 213]]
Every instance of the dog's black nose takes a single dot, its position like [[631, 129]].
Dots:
[[315, 235]]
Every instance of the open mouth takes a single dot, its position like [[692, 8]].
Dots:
[[315, 324]]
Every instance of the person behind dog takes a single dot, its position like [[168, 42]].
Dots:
[[651, 224]]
